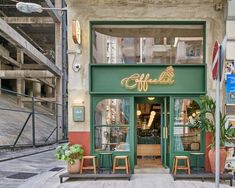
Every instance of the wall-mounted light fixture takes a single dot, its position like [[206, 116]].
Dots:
[[34, 7], [76, 32], [76, 36]]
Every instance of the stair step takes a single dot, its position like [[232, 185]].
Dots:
[[151, 170]]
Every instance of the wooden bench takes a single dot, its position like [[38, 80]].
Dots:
[[94, 176], [203, 176], [148, 150]]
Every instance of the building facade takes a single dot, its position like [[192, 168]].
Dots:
[[136, 77]]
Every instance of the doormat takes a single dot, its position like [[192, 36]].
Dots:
[[56, 169], [22, 175]]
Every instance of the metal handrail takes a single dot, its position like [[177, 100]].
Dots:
[[13, 92], [49, 114], [51, 134], [22, 94], [8, 109], [33, 114], [21, 131]]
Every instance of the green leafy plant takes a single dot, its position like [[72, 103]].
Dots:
[[206, 121], [69, 153]]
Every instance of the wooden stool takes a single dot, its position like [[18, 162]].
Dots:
[[93, 167], [185, 167], [125, 167]]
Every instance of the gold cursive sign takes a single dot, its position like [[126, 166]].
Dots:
[[142, 81]]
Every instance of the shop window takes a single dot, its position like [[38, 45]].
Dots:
[[112, 125], [147, 44], [186, 132]]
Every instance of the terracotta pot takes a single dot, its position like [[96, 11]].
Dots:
[[75, 168], [207, 147], [223, 155]]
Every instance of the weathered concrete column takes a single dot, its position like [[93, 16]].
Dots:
[[49, 93], [5, 52], [20, 83], [37, 90], [0, 79], [31, 91], [58, 61]]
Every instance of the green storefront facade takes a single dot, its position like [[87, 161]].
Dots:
[[171, 85]]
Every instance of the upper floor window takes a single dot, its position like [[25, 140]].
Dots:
[[147, 44]]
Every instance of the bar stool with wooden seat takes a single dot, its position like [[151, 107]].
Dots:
[[116, 161], [90, 158], [185, 167]]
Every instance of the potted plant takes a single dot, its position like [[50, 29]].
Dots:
[[71, 154], [206, 120]]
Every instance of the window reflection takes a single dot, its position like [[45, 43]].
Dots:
[[186, 133], [112, 139], [147, 44], [112, 125]]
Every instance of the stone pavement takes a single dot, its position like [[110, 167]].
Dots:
[[43, 162], [6, 154], [137, 181], [40, 164]]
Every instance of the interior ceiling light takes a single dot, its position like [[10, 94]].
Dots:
[[138, 112], [151, 118], [151, 98]]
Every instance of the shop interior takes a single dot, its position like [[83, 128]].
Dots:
[[149, 135]]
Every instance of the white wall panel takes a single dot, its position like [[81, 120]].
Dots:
[[230, 29], [230, 50], [231, 8]]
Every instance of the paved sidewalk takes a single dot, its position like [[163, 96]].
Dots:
[[9, 155], [42, 163], [137, 181], [38, 164]]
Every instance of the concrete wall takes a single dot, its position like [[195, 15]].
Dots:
[[3, 51], [88, 10]]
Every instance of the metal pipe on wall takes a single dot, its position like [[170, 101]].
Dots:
[[65, 73]]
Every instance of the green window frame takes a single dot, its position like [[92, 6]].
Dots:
[[186, 136], [111, 124]]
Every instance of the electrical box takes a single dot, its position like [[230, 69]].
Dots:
[[78, 113]]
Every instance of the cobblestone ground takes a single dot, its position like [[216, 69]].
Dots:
[[41, 164]]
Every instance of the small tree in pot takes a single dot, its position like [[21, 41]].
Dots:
[[206, 120], [72, 154]]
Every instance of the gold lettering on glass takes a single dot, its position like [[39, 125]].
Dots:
[[142, 81]]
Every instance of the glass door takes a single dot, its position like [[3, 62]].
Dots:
[[165, 131]]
